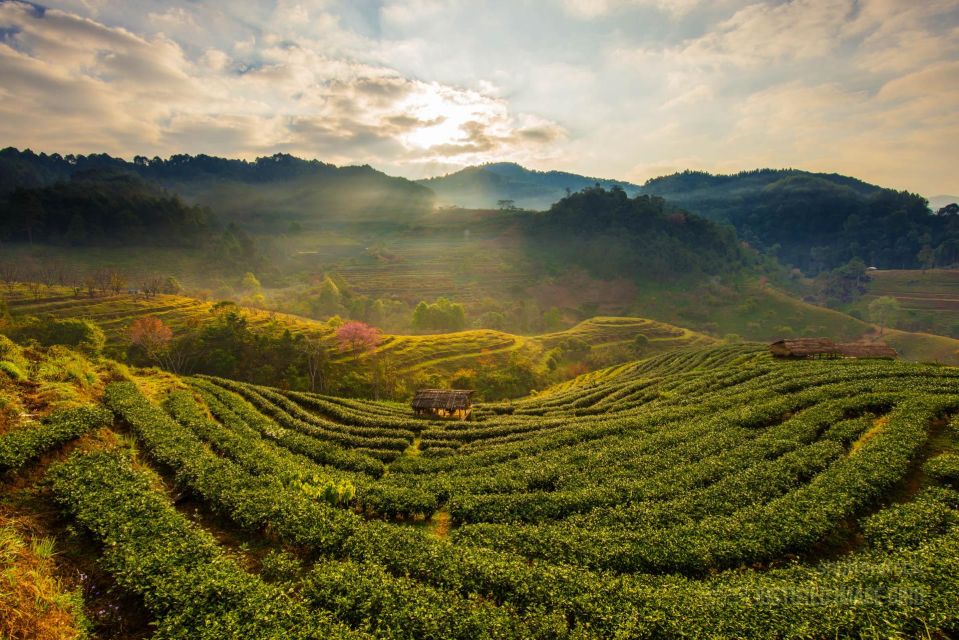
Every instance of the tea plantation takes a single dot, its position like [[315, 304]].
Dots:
[[704, 493]]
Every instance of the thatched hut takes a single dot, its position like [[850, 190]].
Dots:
[[867, 350], [805, 348], [443, 403]]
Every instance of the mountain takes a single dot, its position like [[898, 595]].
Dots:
[[645, 237], [268, 193], [817, 221], [93, 207], [483, 187]]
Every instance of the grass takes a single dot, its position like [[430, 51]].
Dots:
[[33, 602], [929, 299]]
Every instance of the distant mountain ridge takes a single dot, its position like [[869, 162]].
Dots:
[[817, 221], [484, 186], [268, 192]]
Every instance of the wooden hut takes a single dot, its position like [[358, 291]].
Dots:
[[805, 348], [867, 350], [443, 403]]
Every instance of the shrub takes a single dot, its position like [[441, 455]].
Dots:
[[944, 469], [70, 332]]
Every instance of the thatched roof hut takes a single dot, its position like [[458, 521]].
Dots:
[[805, 348], [826, 348], [446, 403], [867, 350]]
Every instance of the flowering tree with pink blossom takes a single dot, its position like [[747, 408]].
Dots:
[[357, 337]]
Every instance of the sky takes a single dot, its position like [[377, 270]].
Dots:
[[624, 89]]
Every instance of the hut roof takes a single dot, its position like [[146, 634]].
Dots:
[[449, 399], [867, 350], [800, 347]]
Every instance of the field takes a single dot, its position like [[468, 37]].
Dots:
[[432, 354], [704, 492], [929, 299]]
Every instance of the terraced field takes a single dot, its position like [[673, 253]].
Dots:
[[440, 353], [709, 492], [933, 290]]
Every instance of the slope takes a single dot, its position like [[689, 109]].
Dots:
[[712, 492], [486, 186]]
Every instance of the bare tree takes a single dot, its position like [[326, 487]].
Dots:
[[317, 361], [102, 279], [118, 282], [90, 284], [383, 374], [36, 288], [152, 285], [9, 274]]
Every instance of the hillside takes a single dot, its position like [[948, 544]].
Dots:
[[929, 300], [817, 221], [267, 194], [410, 361], [489, 186], [206, 508]]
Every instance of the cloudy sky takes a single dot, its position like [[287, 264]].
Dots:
[[626, 89]]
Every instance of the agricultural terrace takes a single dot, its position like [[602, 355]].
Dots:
[[430, 354], [706, 492], [928, 300]]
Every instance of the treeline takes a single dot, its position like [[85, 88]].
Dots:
[[612, 235], [94, 207], [818, 222], [270, 192]]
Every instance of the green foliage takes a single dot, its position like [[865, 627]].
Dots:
[[816, 222], [600, 231], [250, 283], [193, 588], [907, 526], [336, 494], [70, 332], [12, 370], [19, 446], [60, 364], [709, 492], [439, 316], [884, 311], [944, 468], [280, 566], [99, 206]]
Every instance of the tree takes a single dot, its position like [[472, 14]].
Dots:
[[150, 334], [884, 311], [155, 338], [506, 205], [249, 283], [926, 257], [357, 337], [152, 285], [118, 282], [317, 361], [172, 286], [640, 343]]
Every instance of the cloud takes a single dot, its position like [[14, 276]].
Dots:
[[590, 9], [74, 84], [603, 87]]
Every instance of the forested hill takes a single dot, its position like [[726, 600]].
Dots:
[[818, 221], [488, 185], [270, 192], [612, 235], [96, 206]]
